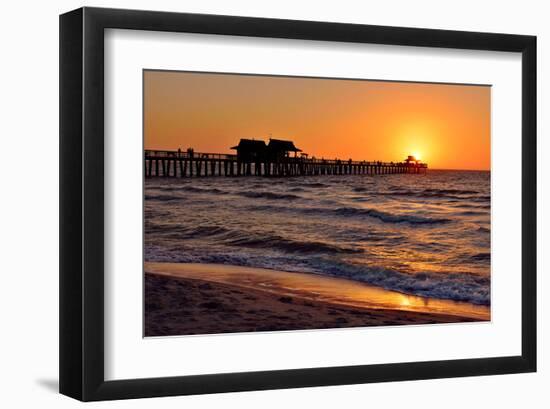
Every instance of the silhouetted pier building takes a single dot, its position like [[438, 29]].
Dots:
[[256, 158], [256, 151], [250, 150], [279, 150]]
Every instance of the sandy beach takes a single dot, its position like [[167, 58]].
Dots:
[[186, 299]]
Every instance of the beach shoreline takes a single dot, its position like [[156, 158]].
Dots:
[[190, 299]]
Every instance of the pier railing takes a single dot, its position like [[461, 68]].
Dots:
[[189, 155], [189, 163]]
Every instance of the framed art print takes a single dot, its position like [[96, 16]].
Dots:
[[256, 204]]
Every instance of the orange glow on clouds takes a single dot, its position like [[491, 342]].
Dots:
[[447, 126]]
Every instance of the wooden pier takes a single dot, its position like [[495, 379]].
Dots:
[[196, 164]]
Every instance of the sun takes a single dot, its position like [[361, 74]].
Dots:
[[417, 155]]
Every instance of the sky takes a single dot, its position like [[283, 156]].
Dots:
[[445, 125]]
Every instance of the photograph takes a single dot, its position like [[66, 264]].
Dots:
[[277, 203]]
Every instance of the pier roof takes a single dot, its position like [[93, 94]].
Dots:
[[250, 144], [281, 145]]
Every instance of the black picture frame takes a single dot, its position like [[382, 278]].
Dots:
[[81, 318]]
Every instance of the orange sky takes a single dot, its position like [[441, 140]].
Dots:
[[448, 126]]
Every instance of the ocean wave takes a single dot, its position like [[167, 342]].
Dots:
[[387, 217], [471, 258], [268, 195], [451, 195], [200, 231], [361, 199], [254, 194], [275, 242], [161, 197], [204, 190], [482, 206], [315, 184], [454, 194], [436, 195], [482, 198], [481, 257], [181, 189], [471, 213], [451, 191], [452, 286]]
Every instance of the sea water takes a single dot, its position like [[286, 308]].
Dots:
[[426, 235]]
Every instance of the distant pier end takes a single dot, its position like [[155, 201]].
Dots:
[[278, 158]]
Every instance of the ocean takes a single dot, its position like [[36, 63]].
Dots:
[[426, 235]]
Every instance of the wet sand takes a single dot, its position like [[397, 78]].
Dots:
[[186, 299]]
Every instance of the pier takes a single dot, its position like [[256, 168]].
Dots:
[[255, 158]]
